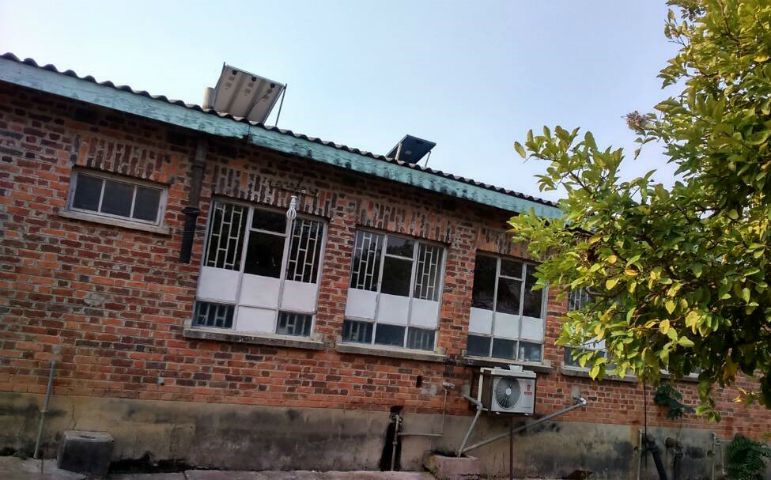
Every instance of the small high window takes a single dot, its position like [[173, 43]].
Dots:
[[506, 319], [110, 196], [393, 298]]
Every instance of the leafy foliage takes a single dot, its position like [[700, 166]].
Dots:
[[678, 276], [745, 459], [668, 396]]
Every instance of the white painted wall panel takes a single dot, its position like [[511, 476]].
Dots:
[[260, 291], [299, 296], [532, 329], [255, 320], [393, 309], [481, 321], [506, 325], [424, 313], [218, 284], [360, 304]]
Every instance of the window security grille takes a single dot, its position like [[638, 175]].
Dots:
[[263, 268], [213, 315], [404, 276]]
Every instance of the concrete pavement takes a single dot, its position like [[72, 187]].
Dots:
[[13, 468]]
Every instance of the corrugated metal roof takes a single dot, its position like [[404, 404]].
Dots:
[[163, 98]]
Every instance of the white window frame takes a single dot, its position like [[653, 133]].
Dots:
[[599, 346], [383, 254], [526, 266], [109, 217], [251, 208]]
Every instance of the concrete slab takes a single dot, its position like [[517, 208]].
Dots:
[[304, 475], [147, 476], [14, 468]]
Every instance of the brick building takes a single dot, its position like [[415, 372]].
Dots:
[[249, 340]]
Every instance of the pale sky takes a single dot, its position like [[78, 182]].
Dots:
[[471, 76]]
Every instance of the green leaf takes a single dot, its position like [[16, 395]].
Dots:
[[670, 306], [664, 326], [610, 283], [520, 149], [685, 342]]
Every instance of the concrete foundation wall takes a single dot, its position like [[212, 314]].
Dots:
[[249, 437]]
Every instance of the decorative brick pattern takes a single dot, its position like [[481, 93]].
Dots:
[[116, 300]]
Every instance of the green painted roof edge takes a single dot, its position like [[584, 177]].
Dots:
[[56, 83]]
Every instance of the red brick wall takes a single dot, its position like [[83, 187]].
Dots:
[[52, 267]]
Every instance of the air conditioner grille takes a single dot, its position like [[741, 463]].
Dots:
[[507, 392]]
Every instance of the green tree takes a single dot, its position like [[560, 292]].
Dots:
[[678, 276]]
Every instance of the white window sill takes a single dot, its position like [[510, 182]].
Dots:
[[571, 371], [223, 335], [115, 222], [390, 352], [474, 361]]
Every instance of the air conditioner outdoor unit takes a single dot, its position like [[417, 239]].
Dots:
[[507, 390]]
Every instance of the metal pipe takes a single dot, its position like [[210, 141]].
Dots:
[[639, 452], [49, 391], [280, 105], [580, 403], [397, 421], [511, 448], [470, 428], [441, 430]]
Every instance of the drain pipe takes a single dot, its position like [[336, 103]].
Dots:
[[580, 402], [49, 390], [677, 460], [395, 444], [192, 210]]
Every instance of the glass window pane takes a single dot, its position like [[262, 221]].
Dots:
[[264, 254], [400, 246], [87, 191], [294, 324], [427, 272], [483, 292], [305, 254], [366, 260], [478, 346], [267, 220], [510, 268], [504, 348], [396, 276], [529, 352], [420, 339], [359, 332], [509, 292], [226, 236], [213, 315], [389, 335], [117, 198], [533, 299], [146, 204]]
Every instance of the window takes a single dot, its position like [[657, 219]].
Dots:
[[260, 271], [109, 196], [577, 299], [393, 298], [506, 318]]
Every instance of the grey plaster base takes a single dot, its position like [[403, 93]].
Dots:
[[240, 437]]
